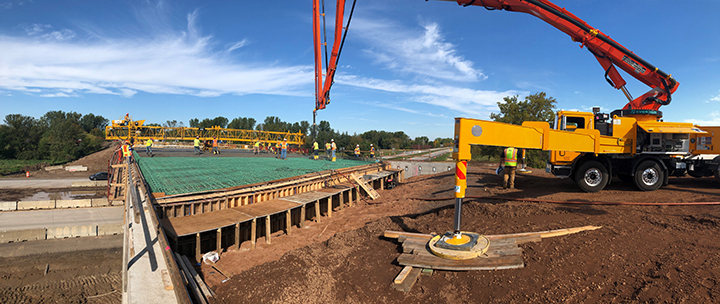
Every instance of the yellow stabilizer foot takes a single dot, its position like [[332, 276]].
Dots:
[[333, 159], [468, 246]]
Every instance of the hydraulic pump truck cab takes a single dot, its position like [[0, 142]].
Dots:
[[590, 148]]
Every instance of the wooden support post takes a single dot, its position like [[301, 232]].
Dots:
[[198, 254], [267, 229], [288, 221], [302, 215], [219, 241], [237, 236], [330, 203], [317, 210], [253, 232], [382, 183], [341, 197]]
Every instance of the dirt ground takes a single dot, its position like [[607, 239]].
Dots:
[[90, 276], [96, 162], [643, 254]]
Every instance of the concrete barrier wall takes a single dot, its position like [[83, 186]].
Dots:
[[411, 169], [109, 229], [89, 184], [76, 231], [78, 203], [22, 235], [100, 202], [8, 206], [29, 205], [12, 236], [50, 168]]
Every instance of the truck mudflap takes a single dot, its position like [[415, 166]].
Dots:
[[558, 171]]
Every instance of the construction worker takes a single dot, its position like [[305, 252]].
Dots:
[[278, 147], [127, 151], [327, 149], [333, 147], [509, 159], [148, 146], [215, 146], [372, 151], [197, 146], [127, 118], [284, 149], [256, 148], [315, 149], [357, 151]]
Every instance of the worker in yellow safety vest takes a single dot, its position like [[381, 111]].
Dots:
[[284, 147], [315, 149], [127, 151], [148, 146], [372, 151], [197, 145], [256, 147], [509, 159], [333, 147], [357, 151], [215, 146], [278, 146], [327, 149]]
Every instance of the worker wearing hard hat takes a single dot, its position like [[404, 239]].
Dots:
[[327, 149], [357, 151], [127, 151], [333, 147], [315, 149], [510, 161], [197, 145], [372, 151], [215, 146], [284, 148], [148, 146], [256, 147]]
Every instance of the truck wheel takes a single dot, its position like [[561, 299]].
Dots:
[[592, 176], [648, 176]]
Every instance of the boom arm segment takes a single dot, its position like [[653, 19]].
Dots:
[[607, 51], [322, 89]]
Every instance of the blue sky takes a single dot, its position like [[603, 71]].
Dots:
[[407, 65]]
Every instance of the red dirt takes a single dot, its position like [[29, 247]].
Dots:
[[642, 254]]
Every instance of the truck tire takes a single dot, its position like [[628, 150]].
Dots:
[[592, 176], [649, 176]]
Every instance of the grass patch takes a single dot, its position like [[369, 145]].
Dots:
[[443, 157], [9, 166]]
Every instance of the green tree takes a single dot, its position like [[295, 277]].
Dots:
[[94, 124], [535, 107]]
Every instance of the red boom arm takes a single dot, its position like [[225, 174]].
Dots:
[[607, 51], [322, 89]]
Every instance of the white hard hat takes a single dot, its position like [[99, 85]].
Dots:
[[332, 140], [371, 145], [357, 145]]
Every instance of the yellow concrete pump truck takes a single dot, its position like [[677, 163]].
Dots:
[[590, 148]]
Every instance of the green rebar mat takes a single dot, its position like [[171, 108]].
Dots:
[[179, 175]]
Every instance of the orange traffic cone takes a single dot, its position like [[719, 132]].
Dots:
[[27, 173]]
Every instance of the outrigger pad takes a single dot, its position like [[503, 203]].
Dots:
[[472, 245], [469, 241]]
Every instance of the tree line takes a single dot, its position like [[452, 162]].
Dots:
[[322, 132], [57, 136]]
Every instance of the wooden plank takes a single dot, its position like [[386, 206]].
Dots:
[[433, 262], [317, 210], [198, 254], [167, 282], [288, 221], [253, 232], [193, 285], [402, 275], [303, 209], [409, 281], [267, 229], [370, 191], [203, 287], [396, 234]]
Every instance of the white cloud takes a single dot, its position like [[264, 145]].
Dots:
[[462, 100], [713, 120], [238, 45], [714, 98], [47, 63], [423, 53]]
